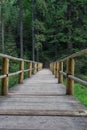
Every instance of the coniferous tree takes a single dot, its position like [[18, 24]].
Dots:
[[2, 23], [21, 27]]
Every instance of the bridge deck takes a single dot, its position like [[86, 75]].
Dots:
[[39, 104]]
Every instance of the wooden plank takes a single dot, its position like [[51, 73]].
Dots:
[[25, 112], [38, 94]]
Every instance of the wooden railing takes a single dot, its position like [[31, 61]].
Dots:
[[32, 69], [57, 69]]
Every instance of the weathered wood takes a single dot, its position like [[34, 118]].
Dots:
[[78, 80], [60, 75], [15, 73], [56, 70], [63, 73], [25, 112], [27, 70], [70, 82], [10, 57], [41, 98], [36, 65], [5, 70], [53, 68], [30, 71], [3, 76], [21, 75], [77, 54], [34, 71], [41, 66]]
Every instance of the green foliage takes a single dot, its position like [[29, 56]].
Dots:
[[81, 93]]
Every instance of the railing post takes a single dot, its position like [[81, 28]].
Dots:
[[21, 75], [34, 68], [52, 68], [70, 82], [38, 67], [5, 70], [60, 75], [30, 71], [41, 66], [55, 69]]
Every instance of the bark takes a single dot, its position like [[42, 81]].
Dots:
[[37, 55], [33, 40], [69, 44], [2, 24], [56, 53], [21, 28]]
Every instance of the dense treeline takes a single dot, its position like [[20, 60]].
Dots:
[[59, 28]]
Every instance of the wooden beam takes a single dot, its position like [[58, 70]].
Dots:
[[21, 75], [77, 54], [5, 71], [25, 112], [69, 81], [55, 69], [60, 75], [30, 71]]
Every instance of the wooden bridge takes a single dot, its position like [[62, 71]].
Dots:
[[41, 101]]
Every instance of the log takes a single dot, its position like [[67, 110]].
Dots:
[[21, 75], [70, 82], [5, 70], [60, 75]]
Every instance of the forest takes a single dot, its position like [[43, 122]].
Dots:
[[45, 31], [50, 29]]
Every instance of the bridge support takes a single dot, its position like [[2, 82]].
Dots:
[[21, 75], [5, 70], [30, 71], [70, 82], [60, 75]]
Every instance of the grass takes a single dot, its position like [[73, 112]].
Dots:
[[80, 93]]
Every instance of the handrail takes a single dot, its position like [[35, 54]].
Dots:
[[77, 54], [33, 68], [57, 69], [15, 58]]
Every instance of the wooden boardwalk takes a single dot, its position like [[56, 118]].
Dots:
[[41, 104]]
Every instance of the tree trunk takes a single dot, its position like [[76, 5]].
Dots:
[[2, 24], [56, 53], [37, 55], [69, 44], [21, 28], [33, 41]]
